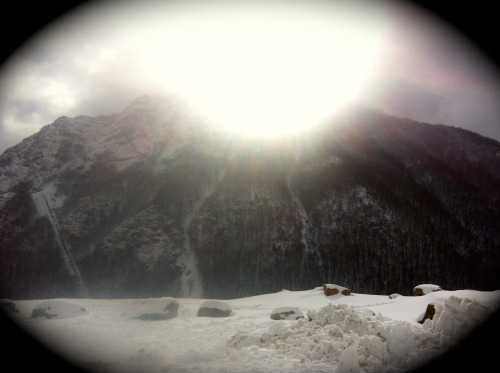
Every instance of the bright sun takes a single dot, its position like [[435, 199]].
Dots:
[[266, 70]]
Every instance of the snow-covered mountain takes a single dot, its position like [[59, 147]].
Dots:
[[154, 201]]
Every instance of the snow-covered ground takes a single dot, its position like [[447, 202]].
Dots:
[[353, 333]]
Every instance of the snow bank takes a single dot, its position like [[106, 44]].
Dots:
[[353, 340], [215, 308], [455, 318], [424, 289], [58, 309], [332, 289]]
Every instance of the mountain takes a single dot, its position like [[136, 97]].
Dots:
[[155, 201]]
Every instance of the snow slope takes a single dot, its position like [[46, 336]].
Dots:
[[356, 333]]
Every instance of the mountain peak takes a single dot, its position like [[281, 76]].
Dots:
[[149, 202], [143, 102]]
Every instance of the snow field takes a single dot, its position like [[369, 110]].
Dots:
[[356, 333]]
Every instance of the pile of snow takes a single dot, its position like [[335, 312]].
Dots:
[[364, 333], [153, 309], [58, 309], [360, 341], [455, 318], [425, 289], [332, 289], [215, 308], [286, 313]]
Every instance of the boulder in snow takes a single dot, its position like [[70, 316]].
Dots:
[[394, 295], [430, 311], [331, 289], [8, 306], [58, 309], [287, 313], [215, 308], [424, 289], [153, 309]]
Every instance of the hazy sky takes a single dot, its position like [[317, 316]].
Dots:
[[99, 56]]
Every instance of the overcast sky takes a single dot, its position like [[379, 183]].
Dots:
[[99, 56]]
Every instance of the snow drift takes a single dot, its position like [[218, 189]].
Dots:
[[358, 333], [359, 340]]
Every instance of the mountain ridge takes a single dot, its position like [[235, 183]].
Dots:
[[155, 201]]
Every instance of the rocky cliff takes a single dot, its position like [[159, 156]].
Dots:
[[153, 201]]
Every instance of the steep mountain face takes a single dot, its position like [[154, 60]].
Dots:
[[155, 202]]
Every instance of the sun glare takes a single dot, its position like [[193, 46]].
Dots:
[[265, 70]]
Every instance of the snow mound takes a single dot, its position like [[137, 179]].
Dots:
[[153, 309], [215, 308], [424, 289], [355, 341], [455, 318], [286, 313], [58, 309], [333, 286], [332, 289]]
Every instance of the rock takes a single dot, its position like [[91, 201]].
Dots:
[[331, 289], [214, 308], [153, 309], [286, 313], [58, 309], [418, 292], [424, 289], [394, 295], [8, 306], [430, 311]]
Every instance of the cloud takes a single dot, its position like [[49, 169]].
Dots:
[[99, 58], [69, 69], [431, 73]]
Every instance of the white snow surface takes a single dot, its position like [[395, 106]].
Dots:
[[149, 306], [358, 333], [59, 309], [428, 288]]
